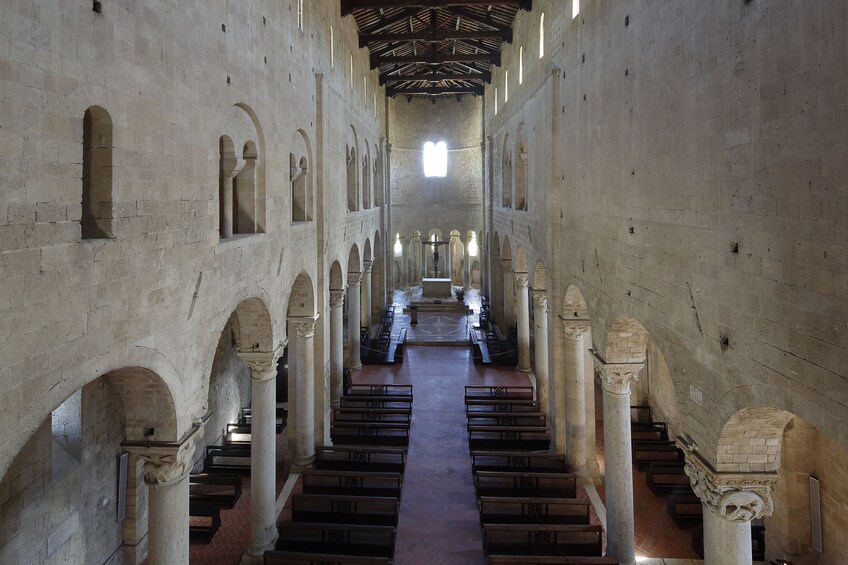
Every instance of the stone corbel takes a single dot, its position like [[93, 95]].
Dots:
[[522, 280], [166, 463], [735, 497], [616, 377], [367, 266], [353, 279], [506, 264], [262, 364], [540, 300]]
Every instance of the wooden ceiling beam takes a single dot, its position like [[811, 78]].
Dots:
[[435, 90], [440, 35], [485, 76], [348, 6], [435, 58]]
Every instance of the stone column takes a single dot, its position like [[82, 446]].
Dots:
[[336, 345], [263, 450], [540, 317], [365, 293], [226, 204], [731, 501], [560, 416], [353, 317], [417, 263], [303, 329], [577, 449], [166, 468], [615, 381], [508, 319], [522, 306]]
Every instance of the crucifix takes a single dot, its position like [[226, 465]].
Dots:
[[435, 245]]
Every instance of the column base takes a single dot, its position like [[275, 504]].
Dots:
[[254, 554], [335, 403], [355, 367], [528, 370], [300, 465]]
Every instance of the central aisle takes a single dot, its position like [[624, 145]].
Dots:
[[438, 521]]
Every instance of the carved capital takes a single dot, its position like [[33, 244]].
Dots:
[[303, 326], [166, 463], [575, 330], [353, 279], [522, 280], [540, 300], [336, 298], [366, 267], [735, 497], [506, 264], [616, 377], [262, 364]]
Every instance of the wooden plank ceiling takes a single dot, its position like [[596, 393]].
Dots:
[[434, 47]]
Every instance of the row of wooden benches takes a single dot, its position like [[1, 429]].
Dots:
[[527, 501], [348, 511]]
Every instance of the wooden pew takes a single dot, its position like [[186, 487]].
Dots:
[[227, 460], [645, 452], [542, 559], [204, 521], [338, 509], [363, 401], [665, 478], [281, 418], [397, 392], [508, 438], [340, 539], [535, 485], [353, 483], [380, 459], [390, 415], [641, 413], [483, 392], [649, 431], [544, 539], [220, 490], [275, 557], [491, 418], [237, 435], [501, 405], [526, 462], [370, 433], [514, 510], [685, 509]]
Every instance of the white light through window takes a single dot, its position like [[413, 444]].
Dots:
[[351, 72], [472, 245], [300, 15], [398, 246], [332, 48], [496, 100], [435, 159], [575, 8], [506, 86], [521, 65], [542, 35]]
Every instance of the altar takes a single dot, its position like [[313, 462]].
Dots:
[[437, 288]]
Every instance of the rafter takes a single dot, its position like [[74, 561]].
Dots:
[[434, 58], [477, 90], [383, 24], [429, 36], [485, 76], [348, 6]]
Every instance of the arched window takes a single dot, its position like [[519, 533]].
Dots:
[[496, 100], [301, 201], [575, 8], [300, 15], [542, 35], [506, 87], [366, 182], [351, 179], [521, 158], [521, 65], [506, 175], [435, 159], [332, 48], [96, 221], [244, 192], [351, 72]]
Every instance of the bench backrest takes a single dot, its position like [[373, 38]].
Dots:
[[379, 541], [552, 539], [512, 461], [511, 510], [274, 557], [515, 484], [498, 391], [360, 458]]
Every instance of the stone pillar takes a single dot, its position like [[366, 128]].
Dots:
[[365, 293], [353, 317], [522, 306], [336, 345], [166, 468], [577, 448], [540, 317], [226, 216], [508, 319], [615, 381], [303, 330], [263, 451], [417, 262], [560, 416], [466, 272], [731, 501]]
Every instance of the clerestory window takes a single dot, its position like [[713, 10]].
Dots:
[[435, 159]]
